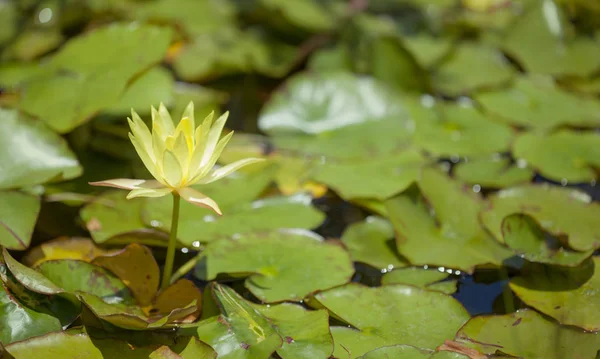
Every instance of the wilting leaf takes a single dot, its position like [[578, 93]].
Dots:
[[430, 279], [563, 155], [539, 103], [566, 294], [524, 235], [470, 67], [16, 226], [445, 129], [396, 314], [31, 153], [560, 211], [542, 40], [271, 261], [454, 239], [372, 242], [82, 249], [137, 268], [494, 172], [178, 295], [519, 334]]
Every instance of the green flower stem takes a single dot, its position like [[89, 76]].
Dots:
[[168, 270]]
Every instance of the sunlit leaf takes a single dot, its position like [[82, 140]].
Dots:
[[16, 227], [430, 279], [492, 172]]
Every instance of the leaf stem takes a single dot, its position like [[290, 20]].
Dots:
[[168, 270]]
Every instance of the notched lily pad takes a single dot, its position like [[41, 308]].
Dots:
[[271, 261], [493, 172], [568, 295], [430, 279], [563, 155], [560, 211], [524, 235], [18, 215], [519, 334]]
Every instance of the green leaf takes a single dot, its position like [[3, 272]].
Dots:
[[538, 102], [271, 261], [397, 314], [565, 294], [310, 15], [351, 343], [150, 89], [454, 238], [377, 178], [519, 334], [445, 129], [30, 278], [427, 50], [472, 66], [95, 68], [560, 211], [563, 155], [493, 172], [372, 242], [524, 236], [67, 344], [430, 279], [9, 21], [397, 352], [16, 227], [31, 153], [542, 40]]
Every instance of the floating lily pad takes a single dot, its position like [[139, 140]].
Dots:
[[430, 279], [82, 249], [445, 129], [137, 268], [566, 294], [30, 278], [539, 103], [272, 260], [542, 41], [306, 14], [351, 343], [397, 352], [18, 215], [427, 50], [470, 67], [563, 155], [559, 211], [31, 153], [96, 68], [519, 334], [377, 178], [398, 314], [150, 89], [524, 235], [241, 331], [178, 295], [454, 238], [372, 242], [493, 172]]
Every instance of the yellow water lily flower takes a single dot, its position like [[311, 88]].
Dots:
[[178, 157]]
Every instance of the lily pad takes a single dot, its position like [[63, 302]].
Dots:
[[307, 14], [427, 50], [377, 178], [271, 261], [538, 102], [16, 226], [31, 153], [559, 211], [96, 67], [351, 343], [454, 238], [519, 334], [445, 129], [542, 41], [566, 294], [563, 155], [372, 242], [430, 279], [398, 314], [82, 249], [524, 235], [137, 268], [493, 172], [397, 352], [30, 278]]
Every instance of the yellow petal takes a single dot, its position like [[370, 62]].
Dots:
[[199, 199], [144, 156], [128, 183], [213, 138], [149, 192], [226, 170], [166, 117], [185, 128], [181, 151], [141, 132], [201, 171], [158, 146], [160, 125], [172, 172], [189, 113]]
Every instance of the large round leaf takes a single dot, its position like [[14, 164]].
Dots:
[[569, 295], [537, 102], [430, 279], [31, 153], [560, 211], [273, 260], [454, 238], [491, 172], [398, 314], [18, 215], [527, 334], [563, 155]]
